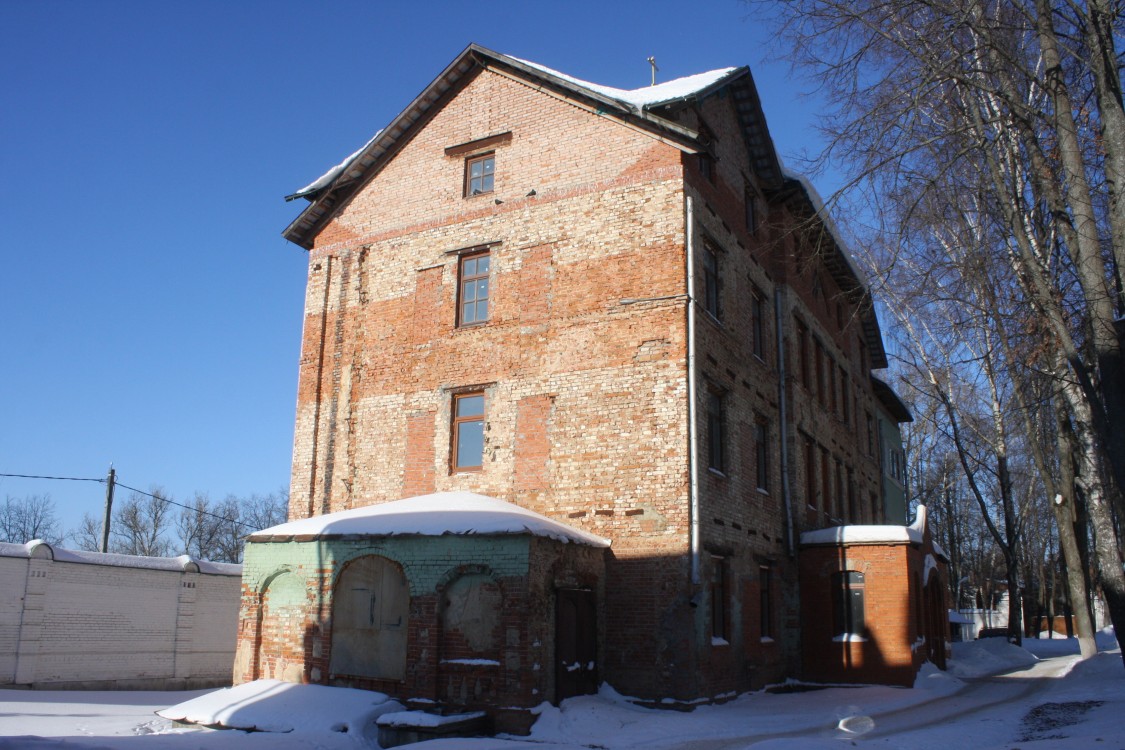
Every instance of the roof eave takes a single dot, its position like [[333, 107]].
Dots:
[[894, 405]]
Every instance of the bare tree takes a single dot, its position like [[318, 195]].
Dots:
[[217, 531], [26, 518], [1008, 112], [141, 523], [88, 534]]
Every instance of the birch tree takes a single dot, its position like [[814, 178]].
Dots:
[[1021, 99]]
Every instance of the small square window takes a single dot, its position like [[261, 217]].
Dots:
[[473, 290], [480, 172], [468, 431], [707, 167]]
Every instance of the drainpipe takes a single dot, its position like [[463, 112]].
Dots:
[[693, 437], [783, 417]]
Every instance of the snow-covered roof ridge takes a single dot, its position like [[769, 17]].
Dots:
[[648, 96], [37, 548], [438, 514], [640, 99]]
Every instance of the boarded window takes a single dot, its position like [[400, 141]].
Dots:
[[370, 613], [470, 617]]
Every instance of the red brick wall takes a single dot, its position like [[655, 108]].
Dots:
[[582, 362], [897, 619]]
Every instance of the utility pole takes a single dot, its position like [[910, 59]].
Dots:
[[109, 482]]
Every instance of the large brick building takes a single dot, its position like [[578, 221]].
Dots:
[[612, 308]]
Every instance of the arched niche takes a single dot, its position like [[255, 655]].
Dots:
[[370, 614], [471, 605]]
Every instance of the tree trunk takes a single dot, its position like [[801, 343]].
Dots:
[[1106, 546], [1077, 562]]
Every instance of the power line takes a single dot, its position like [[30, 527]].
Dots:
[[185, 507], [134, 489], [65, 479]]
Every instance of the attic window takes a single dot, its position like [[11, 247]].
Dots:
[[706, 166], [480, 172]]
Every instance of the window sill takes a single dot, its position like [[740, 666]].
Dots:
[[708, 315], [716, 472], [849, 638], [763, 491], [717, 641]]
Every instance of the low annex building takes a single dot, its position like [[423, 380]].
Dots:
[[873, 600], [441, 600], [610, 308]]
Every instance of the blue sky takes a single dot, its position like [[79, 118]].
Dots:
[[154, 311]]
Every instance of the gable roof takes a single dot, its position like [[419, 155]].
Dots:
[[439, 514], [646, 108]]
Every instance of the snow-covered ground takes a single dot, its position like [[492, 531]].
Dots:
[[1037, 697]]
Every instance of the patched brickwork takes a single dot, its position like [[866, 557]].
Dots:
[[582, 359], [480, 609]]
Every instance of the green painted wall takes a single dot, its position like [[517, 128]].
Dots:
[[894, 494], [426, 560]]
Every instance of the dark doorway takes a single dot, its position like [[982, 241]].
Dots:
[[576, 636]]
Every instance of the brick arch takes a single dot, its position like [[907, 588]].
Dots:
[[470, 604], [470, 619], [279, 643], [370, 619]]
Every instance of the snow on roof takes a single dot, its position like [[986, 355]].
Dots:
[[38, 548], [333, 173], [823, 214], [649, 96], [439, 514], [642, 98], [874, 534]]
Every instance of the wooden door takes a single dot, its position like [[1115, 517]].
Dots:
[[370, 608], [576, 637]]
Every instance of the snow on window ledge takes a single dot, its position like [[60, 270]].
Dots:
[[766, 639], [849, 638], [717, 641]]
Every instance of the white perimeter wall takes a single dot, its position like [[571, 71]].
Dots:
[[87, 625]]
